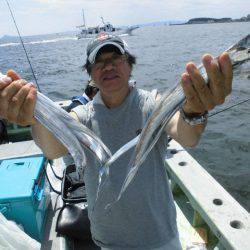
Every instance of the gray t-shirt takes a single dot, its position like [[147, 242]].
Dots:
[[145, 216]]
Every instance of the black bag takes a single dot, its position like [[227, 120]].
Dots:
[[73, 222], [73, 218], [3, 132]]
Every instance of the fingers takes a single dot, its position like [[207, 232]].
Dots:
[[193, 103], [13, 75], [216, 78], [6, 95], [227, 71], [201, 96], [17, 102], [4, 81], [28, 108], [200, 86]]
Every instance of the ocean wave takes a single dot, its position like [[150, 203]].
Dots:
[[39, 41], [9, 44]]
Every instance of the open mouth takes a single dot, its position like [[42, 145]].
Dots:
[[110, 77]]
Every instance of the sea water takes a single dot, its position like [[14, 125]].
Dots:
[[162, 52]]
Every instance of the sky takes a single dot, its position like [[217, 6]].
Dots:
[[51, 16]]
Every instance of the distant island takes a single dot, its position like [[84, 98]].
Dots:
[[201, 20]]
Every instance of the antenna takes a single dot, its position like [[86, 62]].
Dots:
[[103, 20], [84, 21]]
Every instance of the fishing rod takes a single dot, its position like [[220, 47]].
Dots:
[[20, 37], [227, 108]]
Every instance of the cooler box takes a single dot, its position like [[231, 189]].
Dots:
[[25, 193]]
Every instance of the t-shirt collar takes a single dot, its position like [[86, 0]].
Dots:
[[98, 99]]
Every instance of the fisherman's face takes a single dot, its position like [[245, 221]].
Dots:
[[111, 72]]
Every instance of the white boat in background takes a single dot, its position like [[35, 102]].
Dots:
[[88, 32]]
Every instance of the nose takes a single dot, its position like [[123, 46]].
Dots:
[[108, 65]]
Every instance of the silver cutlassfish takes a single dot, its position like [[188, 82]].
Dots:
[[72, 134], [168, 105]]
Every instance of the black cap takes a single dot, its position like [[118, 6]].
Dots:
[[102, 40]]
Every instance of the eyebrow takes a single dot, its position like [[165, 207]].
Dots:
[[99, 58]]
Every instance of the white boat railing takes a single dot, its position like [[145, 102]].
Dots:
[[228, 221]]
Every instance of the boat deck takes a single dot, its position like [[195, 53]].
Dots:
[[51, 240], [207, 215], [215, 214]]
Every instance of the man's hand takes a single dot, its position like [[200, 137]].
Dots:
[[201, 97], [17, 100], [17, 104]]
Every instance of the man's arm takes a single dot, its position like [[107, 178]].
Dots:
[[186, 135], [51, 147]]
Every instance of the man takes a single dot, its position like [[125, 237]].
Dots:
[[145, 216]]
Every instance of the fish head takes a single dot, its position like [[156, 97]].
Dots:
[[240, 52], [244, 43]]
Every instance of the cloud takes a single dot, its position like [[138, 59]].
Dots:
[[36, 16]]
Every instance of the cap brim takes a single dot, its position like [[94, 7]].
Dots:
[[93, 54]]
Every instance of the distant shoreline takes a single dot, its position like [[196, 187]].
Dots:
[[209, 20]]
